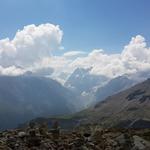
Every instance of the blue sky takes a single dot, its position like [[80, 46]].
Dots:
[[87, 24]]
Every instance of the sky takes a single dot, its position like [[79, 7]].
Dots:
[[87, 24], [55, 34]]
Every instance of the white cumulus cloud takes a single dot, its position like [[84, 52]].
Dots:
[[30, 45], [74, 54]]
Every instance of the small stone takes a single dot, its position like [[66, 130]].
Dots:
[[21, 134]]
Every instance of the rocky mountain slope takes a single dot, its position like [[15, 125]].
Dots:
[[129, 108]]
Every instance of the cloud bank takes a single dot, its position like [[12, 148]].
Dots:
[[134, 57], [31, 50]]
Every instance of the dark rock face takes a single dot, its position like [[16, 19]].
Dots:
[[144, 98], [136, 94]]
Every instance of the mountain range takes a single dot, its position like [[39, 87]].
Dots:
[[113, 86], [127, 109], [94, 88], [81, 80], [30, 96], [25, 97]]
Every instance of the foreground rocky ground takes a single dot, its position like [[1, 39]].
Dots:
[[90, 137]]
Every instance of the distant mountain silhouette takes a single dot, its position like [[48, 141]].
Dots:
[[81, 80], [84, 84], [25, 97], [113, 86]]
